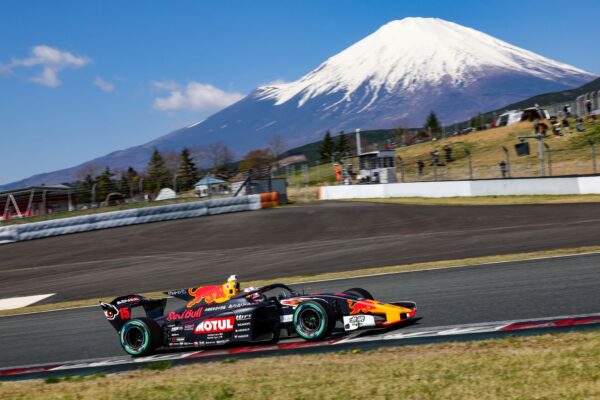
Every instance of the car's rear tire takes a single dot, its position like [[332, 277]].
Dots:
[[313, 320], [139, 337], [360, 292]]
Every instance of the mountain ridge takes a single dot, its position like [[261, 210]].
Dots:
[[395, 76]]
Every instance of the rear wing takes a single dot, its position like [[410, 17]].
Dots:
[[118, 311]]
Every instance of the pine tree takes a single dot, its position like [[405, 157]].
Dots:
[[104, 184], [187, 174], [158, 173], [343, 144], [327, 147], [432, 124]]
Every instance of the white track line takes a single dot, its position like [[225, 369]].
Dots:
[[19, 302]]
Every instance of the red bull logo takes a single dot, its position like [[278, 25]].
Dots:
[[361, 306], [187, 314], [208, 295]]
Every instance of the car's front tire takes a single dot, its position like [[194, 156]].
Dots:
[[313, 320], [139, 337]]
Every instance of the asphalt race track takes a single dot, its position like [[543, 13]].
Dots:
[[513, 290], [314, 238]]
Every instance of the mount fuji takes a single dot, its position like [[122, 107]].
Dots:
[[393, 77]]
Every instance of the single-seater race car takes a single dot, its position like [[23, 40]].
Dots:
[[219, 315]]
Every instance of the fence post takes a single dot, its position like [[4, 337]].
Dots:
[[549, 151], [593, 146], [507, 158], [401, 162], [435, 177], [470, 163]]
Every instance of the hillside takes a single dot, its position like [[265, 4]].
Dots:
[[571, 154]]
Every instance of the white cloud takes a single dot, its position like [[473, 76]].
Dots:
[[105, 86], [165, 85], [51, 60], [194, 96]]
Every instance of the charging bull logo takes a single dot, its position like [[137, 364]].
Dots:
[[361, 306], [214, 294]]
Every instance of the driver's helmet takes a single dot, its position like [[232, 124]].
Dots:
[[232, 287], [253, 296]]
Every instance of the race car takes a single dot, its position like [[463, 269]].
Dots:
[[222, 314]]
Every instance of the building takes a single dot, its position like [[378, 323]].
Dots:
[[36, 200], [207, 186]]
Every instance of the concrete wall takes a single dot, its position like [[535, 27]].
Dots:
[[492, 187], [84, 223]]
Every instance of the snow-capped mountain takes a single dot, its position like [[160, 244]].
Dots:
[[395, 76]]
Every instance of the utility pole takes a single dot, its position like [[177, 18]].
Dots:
[[593, 146], [358, 149]]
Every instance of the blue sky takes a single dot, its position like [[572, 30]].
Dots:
[[81, 79]]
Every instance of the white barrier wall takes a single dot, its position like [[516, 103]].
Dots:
[[84, 223], [492, 187]]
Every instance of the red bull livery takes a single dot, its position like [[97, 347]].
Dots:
[[222, 314]]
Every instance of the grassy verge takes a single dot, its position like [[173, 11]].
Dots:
[[559, 366], [489, 200], [338, 275]]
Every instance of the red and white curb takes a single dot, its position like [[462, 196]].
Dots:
[[425, 333]]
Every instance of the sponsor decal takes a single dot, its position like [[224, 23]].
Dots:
[[176, 292], [207, 294], [247, 323], [217, 308], [287, 318], [361, 306], [188, 327], [176, 328], [353, 322], [186, 314], [243, 330], [242, 317], [215, 325], [245, 336], [130, 299]]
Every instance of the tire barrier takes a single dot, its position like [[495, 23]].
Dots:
[[113, 219], [268, 200]]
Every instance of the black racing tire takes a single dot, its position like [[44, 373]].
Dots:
[[360, 292], [139, 337], [313, 320]]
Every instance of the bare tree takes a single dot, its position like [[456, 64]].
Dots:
[[219, 155], [277, 146], [172, 161]]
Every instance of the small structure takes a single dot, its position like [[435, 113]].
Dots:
[[36, 200], [208, 185], [378, 166], [527, 114], [249, 185], [166, 194]]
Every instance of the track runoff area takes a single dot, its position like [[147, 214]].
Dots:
[[555, 294]]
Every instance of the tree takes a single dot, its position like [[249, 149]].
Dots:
[[276, 145], [343, 144], [104, 184], [158, 175], [327, 147], [219, 156], [187, 175], [432, 124], [259, 161]]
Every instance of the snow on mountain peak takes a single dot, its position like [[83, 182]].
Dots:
[[408, 54]]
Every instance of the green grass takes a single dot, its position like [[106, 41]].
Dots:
[[556, 366]]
